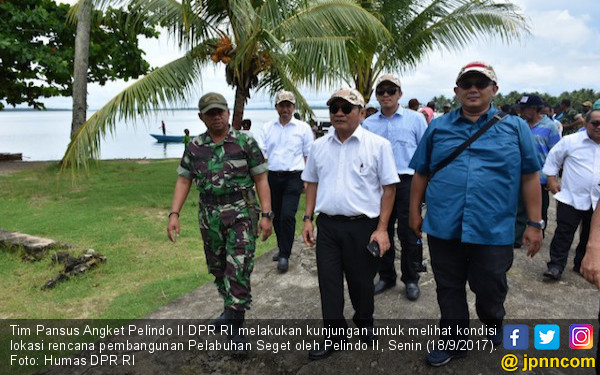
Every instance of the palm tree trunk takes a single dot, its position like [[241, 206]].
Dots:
[[80, 74], [238, 106]]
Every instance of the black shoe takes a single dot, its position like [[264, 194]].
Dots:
[[220, 321], [282, 264], [276, 257], [412, 291], [324, 349], [421, 267], [236, 339], [553, 274], [369, 337], [382, 285]]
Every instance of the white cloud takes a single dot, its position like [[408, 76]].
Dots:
[[559, 26]]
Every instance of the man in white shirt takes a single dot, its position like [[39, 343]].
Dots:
[[285, 142], [579, 156], [351, 177]]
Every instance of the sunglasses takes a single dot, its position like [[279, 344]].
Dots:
[[465, 85], [595, 123], [390, 91], [346, 108]]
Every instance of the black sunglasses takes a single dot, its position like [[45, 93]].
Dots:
[[595, 123], [390, 91], [346, 108], [481, 84]]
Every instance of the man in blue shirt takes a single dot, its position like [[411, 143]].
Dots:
[[472, 203], [546, 135], [404, 129]]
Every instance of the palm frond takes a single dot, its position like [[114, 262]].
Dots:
[[164, 86]]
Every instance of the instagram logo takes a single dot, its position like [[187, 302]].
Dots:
[[581, 336]]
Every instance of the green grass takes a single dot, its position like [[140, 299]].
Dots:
[[120, 210]]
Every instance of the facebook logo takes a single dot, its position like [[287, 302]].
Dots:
[[516, 336], [547, 336]]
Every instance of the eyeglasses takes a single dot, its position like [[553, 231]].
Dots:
[[482, 84], [595, 123], [346, 108], [390, 91]]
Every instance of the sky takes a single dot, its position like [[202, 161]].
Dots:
[[562, 53]]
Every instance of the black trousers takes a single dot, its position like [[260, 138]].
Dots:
[[521, 221], [483, 266], [342, 251], [411, 256], [286, 188], [567, 221]]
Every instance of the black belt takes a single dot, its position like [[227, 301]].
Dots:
[[221, 199], [401, 176], [344, 218], [285, 173]]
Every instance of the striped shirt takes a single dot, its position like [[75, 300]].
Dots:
[[546, 135]]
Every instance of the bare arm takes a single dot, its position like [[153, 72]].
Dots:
[[311, 199], [381, 235], [264, 194], [417, 193], [182, 188], [590, 265], [553, 185], [532, 196]]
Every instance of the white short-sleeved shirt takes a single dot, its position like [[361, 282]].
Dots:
[[580, 158], [350, 175], [285, 147]]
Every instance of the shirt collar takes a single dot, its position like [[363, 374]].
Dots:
[[399, 111], [456, 115], [358, 135], [232, 134]]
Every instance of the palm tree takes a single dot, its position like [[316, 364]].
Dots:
[[419, 27], [80, 64], [264, 44]]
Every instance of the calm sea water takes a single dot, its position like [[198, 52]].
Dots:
[[45, 135]]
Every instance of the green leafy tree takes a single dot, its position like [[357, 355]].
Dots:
[[268, 44], [37, 50], [419, 27]]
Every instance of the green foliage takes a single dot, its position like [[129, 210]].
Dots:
[[37, 50], [419, 27], [270, 45], [576, 96]]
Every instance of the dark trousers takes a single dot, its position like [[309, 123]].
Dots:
[[342, 251], [286, 188], [411, 255], [567, 221], [521, 222], [483, 266]]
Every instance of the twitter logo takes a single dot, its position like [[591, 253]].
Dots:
[[547, 336]]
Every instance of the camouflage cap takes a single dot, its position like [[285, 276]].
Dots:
[[285, 96], [587, 103], [388, 78], [350, 95], [210, 101], [478, 67]]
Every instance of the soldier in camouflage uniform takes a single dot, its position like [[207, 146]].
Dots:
[[225, 165], [568, 118]]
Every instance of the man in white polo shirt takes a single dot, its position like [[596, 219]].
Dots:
[[351, 177], [579, 156], [285, 142]]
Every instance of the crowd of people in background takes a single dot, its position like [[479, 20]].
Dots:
[[368, 179]]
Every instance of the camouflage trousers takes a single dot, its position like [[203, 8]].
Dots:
[[229, 235]]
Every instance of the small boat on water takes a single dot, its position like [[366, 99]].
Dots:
[[168, 138]]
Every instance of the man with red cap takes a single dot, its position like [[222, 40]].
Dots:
[[472, 203]]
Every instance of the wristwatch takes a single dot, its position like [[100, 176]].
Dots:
[[269, 215], [536, 224], [307, 217]]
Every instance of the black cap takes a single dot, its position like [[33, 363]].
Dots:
[[530, 100]]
